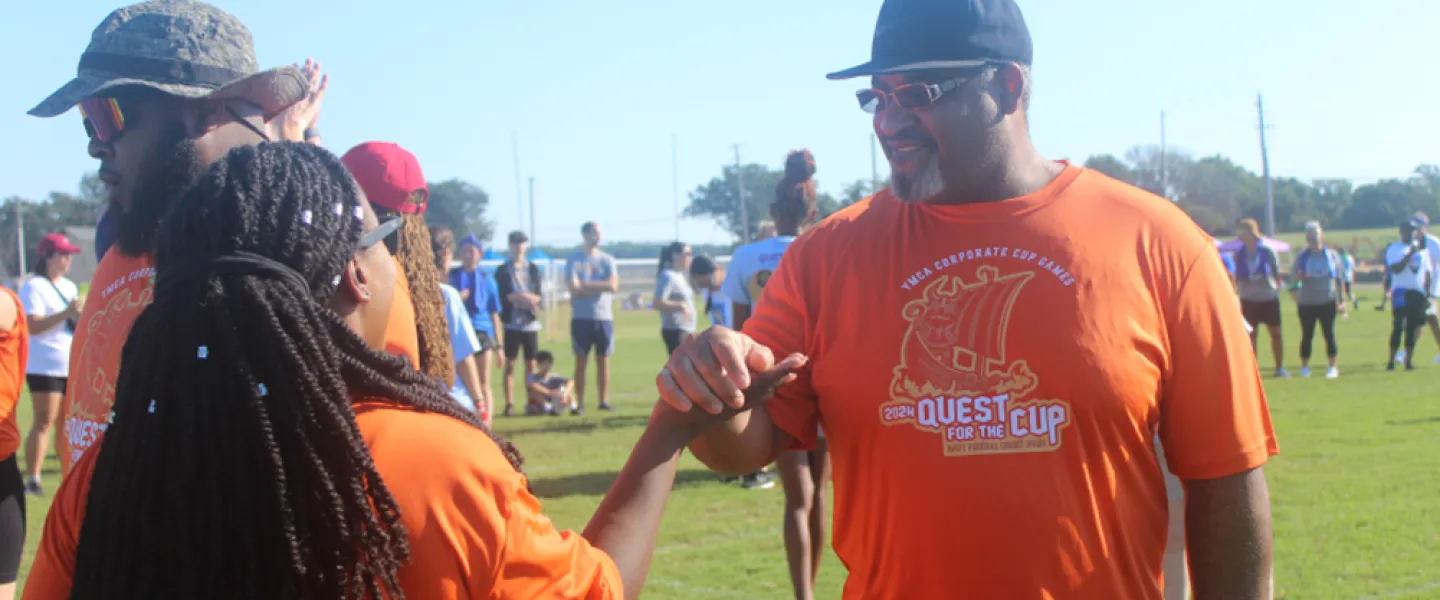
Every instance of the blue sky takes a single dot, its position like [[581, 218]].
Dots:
[[596, 90]]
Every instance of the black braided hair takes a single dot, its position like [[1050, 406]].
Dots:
[[241, 473]]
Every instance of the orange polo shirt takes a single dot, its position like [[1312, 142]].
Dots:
[[121, 288], [475, 530], [14, 352], [991, 378]]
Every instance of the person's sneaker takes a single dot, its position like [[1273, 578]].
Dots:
[[1390, 366], [605, 406], [1332, 373], [509, 410], [576, 410], [1409, 367], [1400, 355], [32, 487], [758, 481], [1281, 373], [1304, 371]]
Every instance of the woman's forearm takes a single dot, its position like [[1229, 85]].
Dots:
[[43, 324], [628, 519]]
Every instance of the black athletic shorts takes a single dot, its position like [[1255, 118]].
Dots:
[[45, 383], [12, 520], [487, 343], [1266, 312], [673, 339], [516, 340]]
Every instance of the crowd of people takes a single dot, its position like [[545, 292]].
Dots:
[[1027, 377], [1321, 283]]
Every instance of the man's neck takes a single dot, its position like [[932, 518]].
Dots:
[[591, 250], [469, 268], [1021, 172]]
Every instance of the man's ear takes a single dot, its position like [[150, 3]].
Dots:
[[1010, 85]]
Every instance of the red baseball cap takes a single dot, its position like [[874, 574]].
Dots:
[[57, 243], [390, 175]]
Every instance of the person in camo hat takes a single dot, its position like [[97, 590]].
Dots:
[[164, 89]]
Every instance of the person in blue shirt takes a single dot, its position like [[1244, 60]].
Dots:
[[468, 390], [482, 303]]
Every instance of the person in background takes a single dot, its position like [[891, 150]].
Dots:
[[262, 369], [1432, 248], [14, 348], [1229, 261], [1319, 298], [482, 302], [547, 393], [1347, 265], [1257, 278], [764, 231], [1408, 264], [803, 474], [591, 275], [164, 89], [392, 179], [52, 304], [991, 345], [519, 285], [464, 346], [674, 298], [710, 279]]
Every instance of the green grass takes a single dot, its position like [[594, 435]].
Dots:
[[1354, 489]]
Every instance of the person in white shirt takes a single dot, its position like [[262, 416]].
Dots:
[[1432, 248], [1411, 281], [52, 304]]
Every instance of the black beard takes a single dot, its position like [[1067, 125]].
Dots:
[[156, 193]]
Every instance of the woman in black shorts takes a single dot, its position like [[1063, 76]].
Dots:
[[52, 304], [674, 297], [14, 343], [1257, 279]]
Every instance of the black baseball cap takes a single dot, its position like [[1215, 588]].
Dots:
[[921, 35]]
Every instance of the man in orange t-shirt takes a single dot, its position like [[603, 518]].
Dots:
[[992, 347]]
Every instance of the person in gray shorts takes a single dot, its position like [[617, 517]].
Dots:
[[593, 280]]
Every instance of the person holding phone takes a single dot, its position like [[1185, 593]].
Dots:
[[1408, 266], [52, 304]]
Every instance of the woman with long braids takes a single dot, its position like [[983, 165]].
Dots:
[[803, 474], [264, 445], [391, 178]]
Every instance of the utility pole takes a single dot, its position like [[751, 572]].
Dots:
[[740, 193], [874, 172], [519, 193], [20, 235], [675, 178], [1164, 164], [534, 243], [1265, 171]]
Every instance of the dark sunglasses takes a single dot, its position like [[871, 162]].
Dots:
[[909, 96], [378, 234]]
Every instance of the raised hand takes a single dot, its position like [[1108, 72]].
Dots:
[[722, 369], [305, 114]]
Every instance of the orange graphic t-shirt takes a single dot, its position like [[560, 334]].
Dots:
[[14, 352], [121, 288], [991, 379], [474, 528]]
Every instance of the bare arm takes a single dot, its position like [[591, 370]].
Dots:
[[741, 444], [470, 378], [741, 314], [39, 324], [664, 305], [1227, 522]]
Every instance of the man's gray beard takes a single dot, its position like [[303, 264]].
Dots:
[[922, 185]]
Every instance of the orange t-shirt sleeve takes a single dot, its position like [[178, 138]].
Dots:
[[781, 322], [1214, 420], [53, 572]]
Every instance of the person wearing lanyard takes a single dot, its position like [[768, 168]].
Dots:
[[1410, 278], [1257, 279], [52, 304], [1319, 297]]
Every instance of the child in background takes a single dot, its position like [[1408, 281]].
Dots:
[[547, 392]]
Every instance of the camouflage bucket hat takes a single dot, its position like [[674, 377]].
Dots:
[[181, 47]]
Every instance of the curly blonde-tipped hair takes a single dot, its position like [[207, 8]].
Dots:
[[418, 260]]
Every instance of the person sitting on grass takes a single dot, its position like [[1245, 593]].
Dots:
[[547, 393], [264, 445]]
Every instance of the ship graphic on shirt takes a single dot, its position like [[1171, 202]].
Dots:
[[956, 379]]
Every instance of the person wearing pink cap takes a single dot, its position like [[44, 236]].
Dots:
[[52, 304], [392, 179]]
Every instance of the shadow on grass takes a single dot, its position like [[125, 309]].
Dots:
[[597, 484], [565, 424], [1435, 419]]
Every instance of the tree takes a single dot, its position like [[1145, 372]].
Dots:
[[717, 199], [1114, 167], [861, 189], [1386, 203], [460, 207], [59, 210]]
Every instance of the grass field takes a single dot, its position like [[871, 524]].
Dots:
[[1356, 489]]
